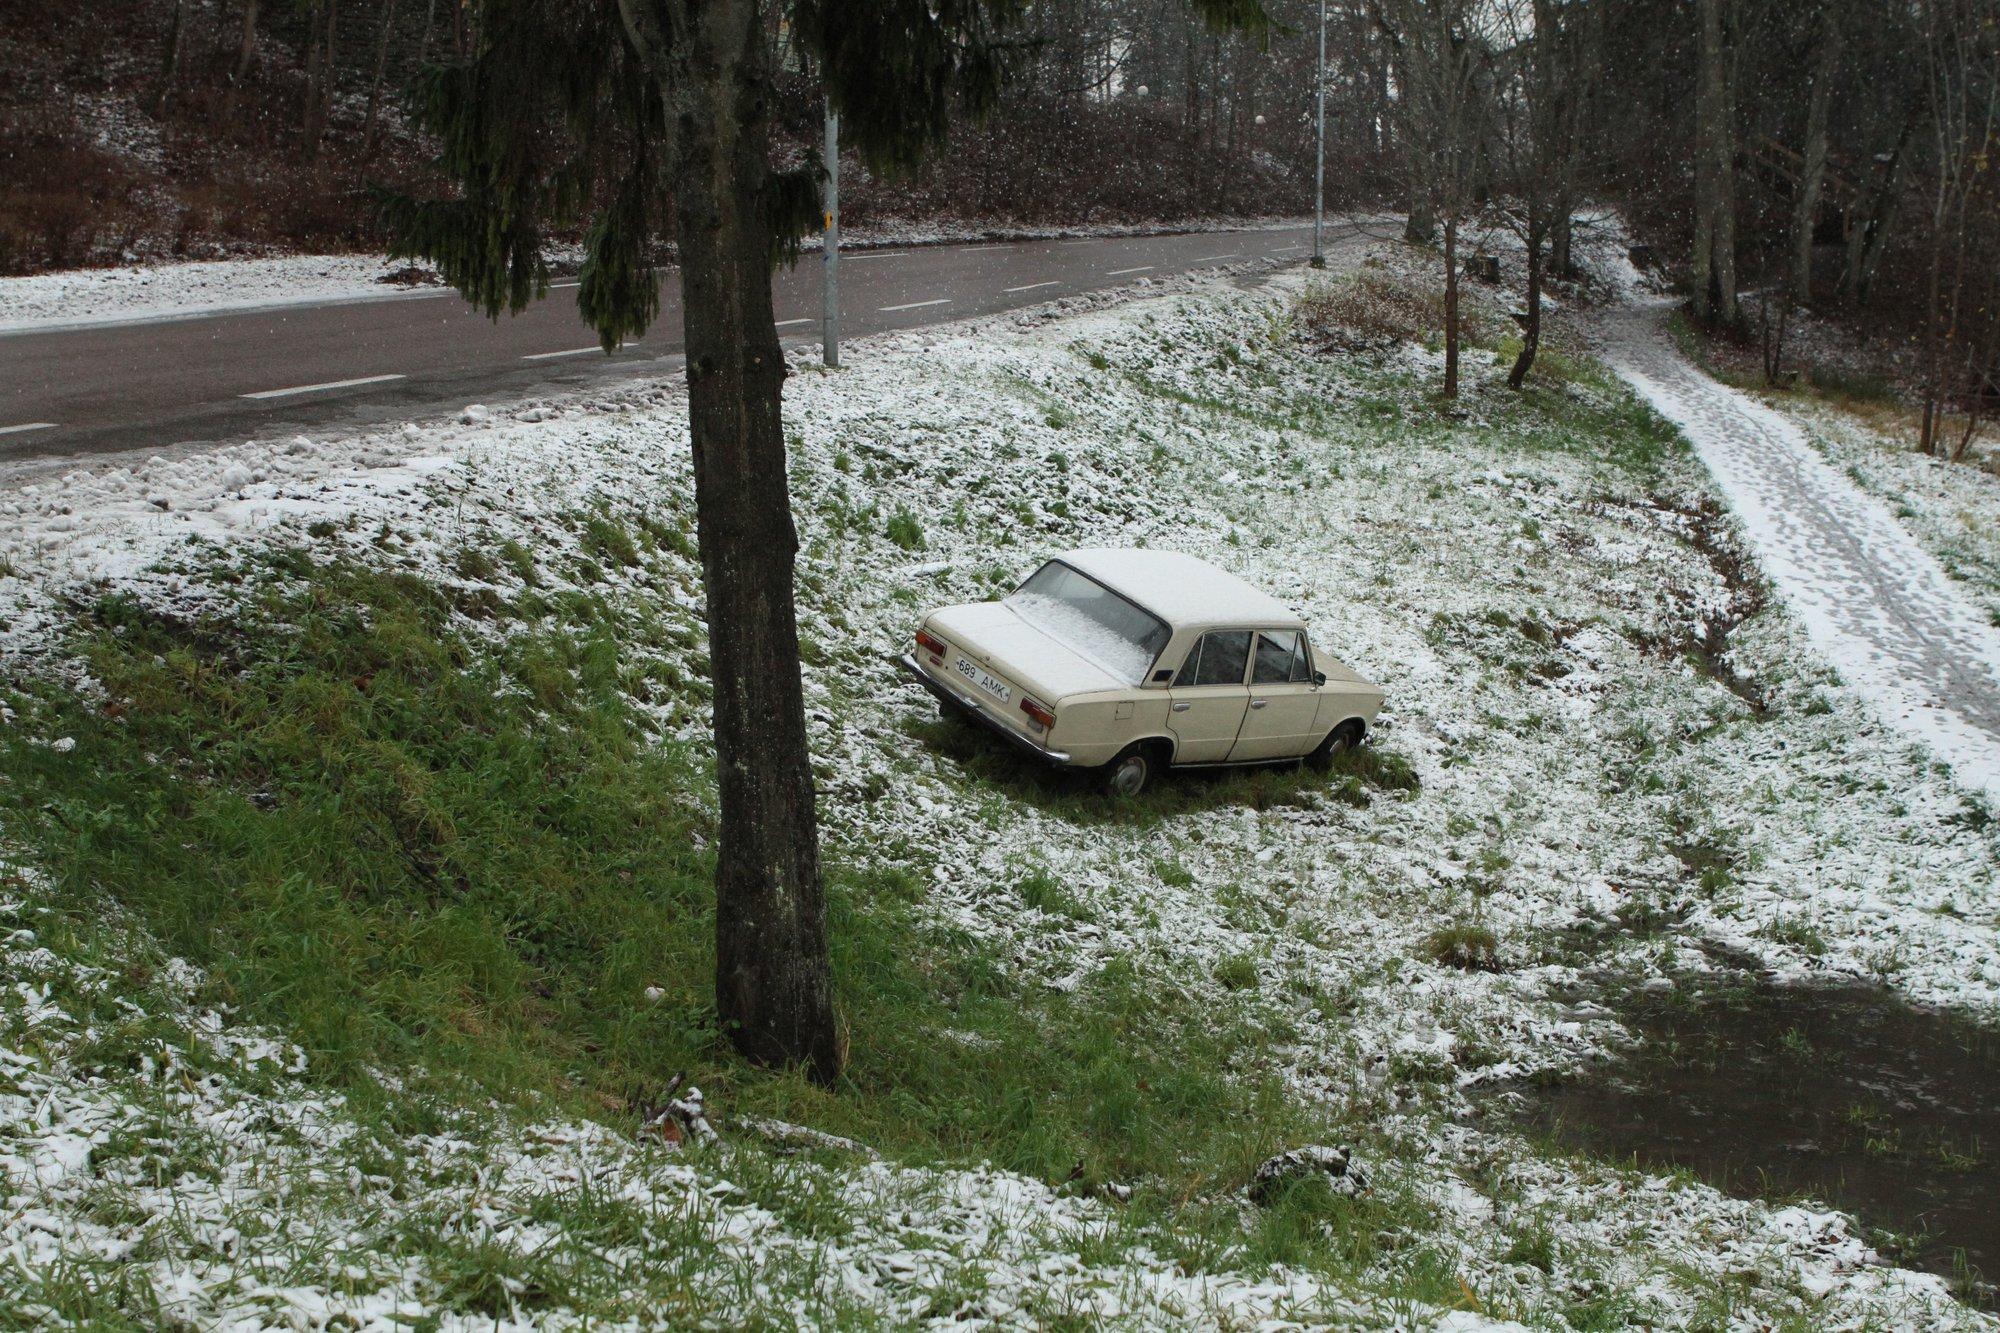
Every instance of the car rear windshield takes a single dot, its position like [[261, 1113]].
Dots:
[[1117, 634]]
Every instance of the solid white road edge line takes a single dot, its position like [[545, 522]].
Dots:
[[914, 305], [315, 388], [1052, 282], [787, 323], [1210, 259], [1119, 272], [28, 425]]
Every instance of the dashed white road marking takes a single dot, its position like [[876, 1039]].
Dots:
[[27, 425], [914, 305], [1033, 285], [576, 283], [574, 351], [1119, 272], [315, 388], [874, 254]]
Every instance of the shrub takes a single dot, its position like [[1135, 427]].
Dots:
[[904, 530], [1238, 972], [1468, 948], [1375, 311]]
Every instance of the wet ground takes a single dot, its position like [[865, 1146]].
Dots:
[[1844, 1095]]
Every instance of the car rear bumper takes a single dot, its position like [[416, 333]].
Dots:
[[949, 694]]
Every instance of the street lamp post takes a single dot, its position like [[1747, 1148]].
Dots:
[[1319, 166], [830, 246]]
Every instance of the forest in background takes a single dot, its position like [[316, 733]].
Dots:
[[1836, 155]]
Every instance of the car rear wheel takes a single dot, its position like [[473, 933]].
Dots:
[[1338, 742], [1127, 775]]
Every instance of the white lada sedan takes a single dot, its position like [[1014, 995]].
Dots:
[[1134, 661]]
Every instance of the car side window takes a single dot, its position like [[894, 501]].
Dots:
[[1277, 657], [1219, 659]]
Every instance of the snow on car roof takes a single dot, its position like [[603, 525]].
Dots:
[[1184, 590]]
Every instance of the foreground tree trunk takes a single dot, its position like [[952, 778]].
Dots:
[[773, 992]]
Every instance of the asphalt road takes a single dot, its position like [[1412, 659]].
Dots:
[[259, 372]]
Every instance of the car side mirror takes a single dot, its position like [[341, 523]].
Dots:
[[1319, 677]]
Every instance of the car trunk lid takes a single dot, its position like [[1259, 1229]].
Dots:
[[992, 635]]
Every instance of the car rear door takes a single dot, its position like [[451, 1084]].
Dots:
[[1208, 698], [1283, 700]]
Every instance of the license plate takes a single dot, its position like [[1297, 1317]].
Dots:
[[984, 680]]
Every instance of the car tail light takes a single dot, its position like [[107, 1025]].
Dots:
[[931, 644], [1044, 717]]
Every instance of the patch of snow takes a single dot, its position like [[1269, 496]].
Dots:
[[1875, 603]]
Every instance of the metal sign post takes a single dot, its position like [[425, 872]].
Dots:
[[1319, 169], [830, 245]]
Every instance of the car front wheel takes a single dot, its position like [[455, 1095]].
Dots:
[[1127, 775]]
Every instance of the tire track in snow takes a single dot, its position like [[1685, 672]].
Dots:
[[1878, 605]]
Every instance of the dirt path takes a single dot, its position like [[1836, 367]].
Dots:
[[1878, 606]]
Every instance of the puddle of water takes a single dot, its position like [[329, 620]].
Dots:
[[1844, 1095]]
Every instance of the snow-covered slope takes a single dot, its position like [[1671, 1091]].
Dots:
[[1529, 580]]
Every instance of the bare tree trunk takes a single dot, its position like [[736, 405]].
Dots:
[[381, 68], [1714, 276], [315, 46], [773, 992], [1531, 330], [320, 78], [1562, 235], [1451, 301], [170, 59], [1867, 234], [1420, 228], [246, 57], [1973, 418], [1812, 174]]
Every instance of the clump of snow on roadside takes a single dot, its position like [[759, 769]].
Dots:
[[77, 297]]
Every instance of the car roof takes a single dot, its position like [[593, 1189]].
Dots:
[[1184, 590]]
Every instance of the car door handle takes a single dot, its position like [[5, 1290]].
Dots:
[[1259, 703], [1182, 708]]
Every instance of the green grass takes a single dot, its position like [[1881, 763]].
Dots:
[[1469, 948], [412, 850], [904, 530]]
